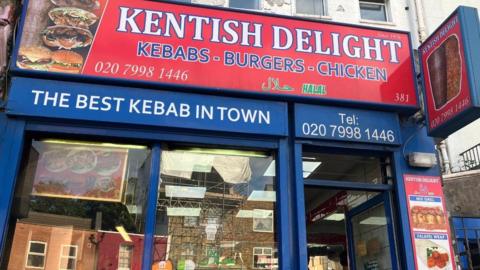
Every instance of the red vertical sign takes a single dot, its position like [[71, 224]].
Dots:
[[429, 226], [445, 72]]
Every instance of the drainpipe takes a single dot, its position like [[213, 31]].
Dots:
[[422, 36], [443, 151], [422, 32]]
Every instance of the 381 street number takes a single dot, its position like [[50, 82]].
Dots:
[[348, 132]]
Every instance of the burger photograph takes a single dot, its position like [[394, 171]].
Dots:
[[35, 57], [59, 36]]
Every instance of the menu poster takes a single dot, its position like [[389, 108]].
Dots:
[[80, 172], [430, 231]]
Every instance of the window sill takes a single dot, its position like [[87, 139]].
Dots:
[[377, 22], [310, 16]]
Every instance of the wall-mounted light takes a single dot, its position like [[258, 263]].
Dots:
[[422, 160]]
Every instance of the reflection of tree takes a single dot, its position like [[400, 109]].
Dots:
[[113, 214]]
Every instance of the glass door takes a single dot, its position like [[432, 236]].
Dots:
[[370, 233], [347, 219]]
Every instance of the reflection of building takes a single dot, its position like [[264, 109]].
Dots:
[[233, 235], [62, 247], [49, 243]]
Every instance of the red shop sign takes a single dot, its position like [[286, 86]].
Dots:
[[217, 49]]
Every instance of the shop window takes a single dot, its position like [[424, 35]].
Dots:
[[374, 10], [93, 193], [68, 257], [36, 254], [125, 257], [216, 207], [244, 4], [311, 7]]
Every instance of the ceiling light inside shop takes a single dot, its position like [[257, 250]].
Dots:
[[123, 233], [183, 212], [229, 244], [244, 214], [270, 171], [335, 217], [226, 152], [308, 168], [262, 196], [380, 221], [82, 143], [185, 192]]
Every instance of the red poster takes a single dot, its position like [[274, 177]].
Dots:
[[194, 46], [80, 172], [430, 230], [445, 74]]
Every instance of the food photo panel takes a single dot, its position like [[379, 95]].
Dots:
[[59, 34], [80, 172]]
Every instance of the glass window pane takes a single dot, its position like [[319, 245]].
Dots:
[[37, 247], [231, 197], [83, 199], [71, 264], [375, 12], [36, 260], [371, 243], [69, 251], [72, 251], [311, 7], [366, 169], [245, 4], [326, 225]]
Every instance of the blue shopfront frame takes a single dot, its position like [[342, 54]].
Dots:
[[16, 129]]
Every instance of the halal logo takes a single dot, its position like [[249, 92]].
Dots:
[[314, 89], [273, 84]]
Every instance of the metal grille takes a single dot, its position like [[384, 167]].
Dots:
[[471, 158], [467, 234]]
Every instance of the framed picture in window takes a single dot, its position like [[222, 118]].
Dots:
[[80, 171], [262, 220]]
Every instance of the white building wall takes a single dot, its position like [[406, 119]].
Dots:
[[345, 11]]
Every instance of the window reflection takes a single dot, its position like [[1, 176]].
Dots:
[[216, 210], [78, 205]]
